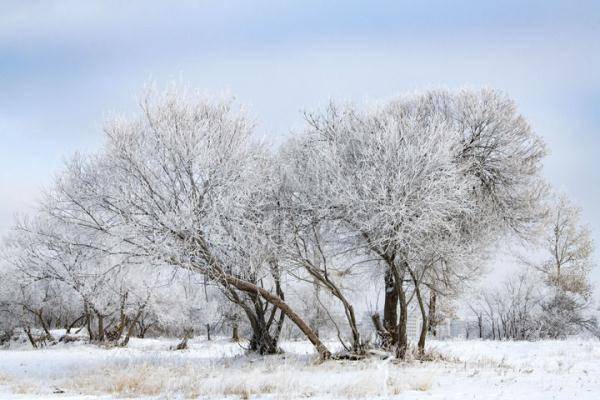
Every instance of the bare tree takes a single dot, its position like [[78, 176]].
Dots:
[[569, 247], [184, 185], [421, 173]]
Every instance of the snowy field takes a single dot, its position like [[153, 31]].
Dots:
[[221, 369]]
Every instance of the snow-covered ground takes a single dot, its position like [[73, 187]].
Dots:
[[221, 369]]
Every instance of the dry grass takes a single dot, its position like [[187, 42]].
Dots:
[[281, 377], [490, 363], [18, 386], [431, 354], [278, 377]]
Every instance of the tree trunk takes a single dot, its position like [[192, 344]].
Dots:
[[376, 318], [262, 342], [100, 327], [143, 328], [88, 321], [30, 337], [235, 336], [432, 310], [357, 345], [424, 319], [279, 326], [226, 280], [125, 340], [72, 324], [44, 324], [390, 309], [321, 277], [402, 334], [402, 339], [248, 287], [132, 326]]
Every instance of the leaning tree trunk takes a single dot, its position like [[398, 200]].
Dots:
[[424, 318], [72, 324], [357, 345], [248, 287], [45, 325], [322, 279], [30, 337], [227, 280], [132, 326]]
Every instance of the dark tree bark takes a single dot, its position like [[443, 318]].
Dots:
[[275, 300], [45, 325], [384, 334], [261, 340], [424, 318], [402, 339], [432, 313], [72, 324], [390, 308], [88, 321], [100, 327], [132, 325], [218, 272], [235, 336], [30, 337]]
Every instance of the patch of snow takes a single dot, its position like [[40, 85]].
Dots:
[[147, 368]]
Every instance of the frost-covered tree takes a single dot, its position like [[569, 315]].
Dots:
[[82, 282], [388, 177], [311, 249], [568, 246], [413, 191], [184, 184], [430, 171]]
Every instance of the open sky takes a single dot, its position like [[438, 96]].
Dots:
[[65, 66]]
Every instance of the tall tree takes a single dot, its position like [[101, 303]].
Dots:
[[184, 184], [430, 171]]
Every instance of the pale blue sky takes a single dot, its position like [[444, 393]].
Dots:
[[65, 65]]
